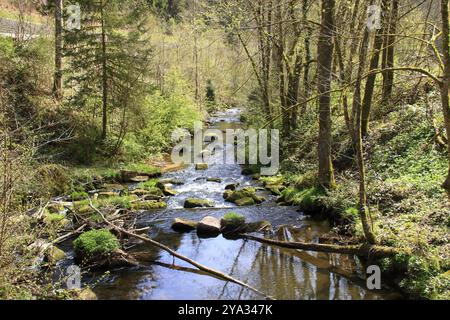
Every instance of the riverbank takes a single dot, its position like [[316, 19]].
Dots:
[[405, 166]]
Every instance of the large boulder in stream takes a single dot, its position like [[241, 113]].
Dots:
[[243, 197], [208, 226], [198, 203], [182, 225], [132, 176]]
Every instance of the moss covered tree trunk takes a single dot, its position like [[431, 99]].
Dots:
[[445, 85]]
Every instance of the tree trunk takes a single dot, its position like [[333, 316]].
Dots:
[[445, 85], [324, 61], [104, 76], [370, 83], [308, 55], [57, 83], [388, 75]]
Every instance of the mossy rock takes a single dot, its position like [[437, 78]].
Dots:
[[169, 191], [175, 182], [218, 180], [238, 196], [86, 294], [54, 255], [245, 202], [149, 205], [95, 243], [232, 222], [182, 225], [198, 203], [56, 220], [227, 194], [201, 166], [165, 189], [148, 191]]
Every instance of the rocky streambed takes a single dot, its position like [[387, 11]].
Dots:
[[185, 211]]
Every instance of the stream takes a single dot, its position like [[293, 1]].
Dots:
[[279, 273]]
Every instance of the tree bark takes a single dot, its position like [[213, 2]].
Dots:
[[57, 83], [370, 83], [324, 61], [388, 76], [445, 85], [104, 75]]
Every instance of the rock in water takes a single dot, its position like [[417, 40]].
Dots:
[[232, 186], [181, 225], [198, 203], [209, 226], [201, 166], [148, 205], [245, 202]]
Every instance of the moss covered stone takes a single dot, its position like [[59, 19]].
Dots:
[[247, 201], [149, 205], [96, 243], [241, 197], [198, 203]]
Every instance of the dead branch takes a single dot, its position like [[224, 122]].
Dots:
[[361, 250]]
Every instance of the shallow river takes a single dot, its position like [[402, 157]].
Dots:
[[280, 273]]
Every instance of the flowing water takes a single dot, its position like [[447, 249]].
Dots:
[[280, 273]]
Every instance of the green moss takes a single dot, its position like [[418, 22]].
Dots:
[[247, 201], [149, 205], [148, 185], [143, 168], [96, 242], [116, 201], [79, 195], [233, 218], [197, 203], [307, 198]]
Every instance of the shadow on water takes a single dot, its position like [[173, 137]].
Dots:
[[278, 272]]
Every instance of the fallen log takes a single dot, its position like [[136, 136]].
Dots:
[[360, 250], [181, 257]]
